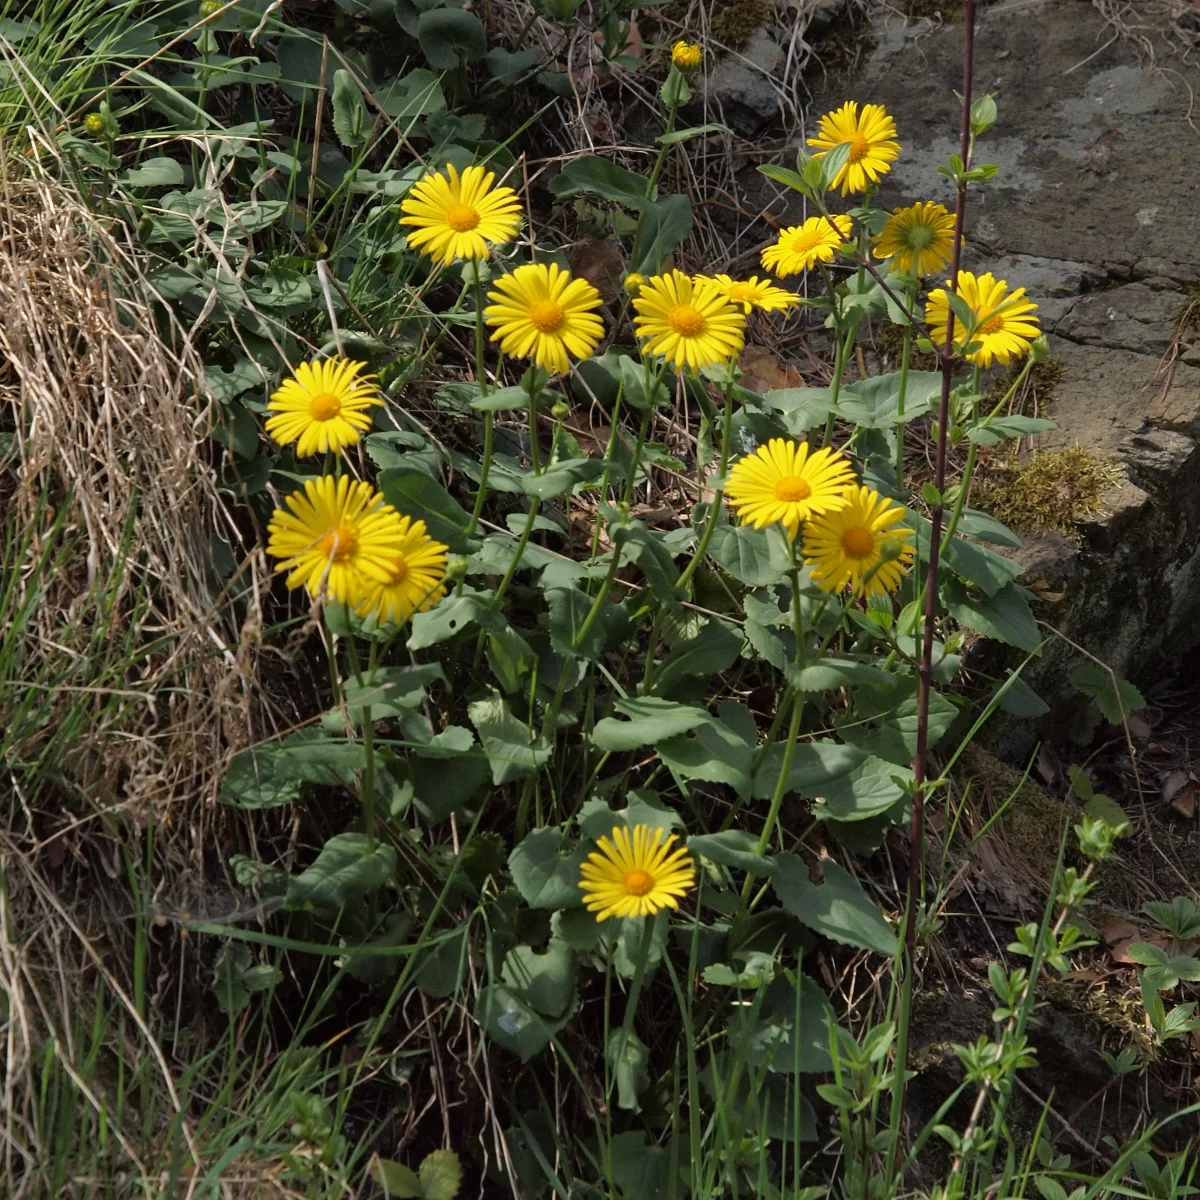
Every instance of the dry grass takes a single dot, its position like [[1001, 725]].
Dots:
[[109, 433]]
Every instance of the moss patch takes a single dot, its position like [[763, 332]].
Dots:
[[735, 24], [1051, 489]]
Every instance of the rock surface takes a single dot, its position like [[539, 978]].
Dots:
[[741, 89], [1094, 212]]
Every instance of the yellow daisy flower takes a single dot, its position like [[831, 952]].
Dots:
[[919, 239], [860, 546], [756, 293], [540, 312], [689, 322], [1005, 324], [687, 56], [338, 538], [873, 147], [417, 576], [634, 875], [787, 482], [801, 247], [455, 217], [323, 408]]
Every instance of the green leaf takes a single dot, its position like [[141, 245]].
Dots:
[[512, 1023], [733, 848], [597, 820], [714, 649], [512, 748], [601, 178], [451, 36], [1116, 698], [832, 672], [832, 161], [569, 610], [986, 528], [452, 616], [1004, 429], [895, 709], [745, 553], [156, 172], [505, 399], [1005, 616], [545, 877], [814, 766], [838, 908], [546, 982], [874, 403], [865, 792], [802, 408], [1106, 809], [417, 94], [344, 871], [665, 225], [714, 753], [508, 67], [787, 177], [652, 720], [418, 496], [274, 773], [511, 658], [562, 477], [629, 1060], [647, 549], [395, 1178], [1020, 700], [351, 117], [440, 1175], [693, 131], [979, 565]]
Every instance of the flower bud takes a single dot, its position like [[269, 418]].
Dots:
[[1039, 349], [634, 283], [95, 124], [687, 56], [456, 567], [208, 7], [561, 410]]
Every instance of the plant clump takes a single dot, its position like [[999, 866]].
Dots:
[[1049, 490]]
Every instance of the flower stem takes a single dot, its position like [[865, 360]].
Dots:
[[714, 509], [489, 419], [902, 393]]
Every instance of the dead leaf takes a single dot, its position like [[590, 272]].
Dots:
[[763, 372], [1183, 803], [1139, 727], [601, 263], [1173, 782], [1118, 930], [1120, 952], [1049, 766]]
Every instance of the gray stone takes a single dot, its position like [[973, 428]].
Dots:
[[742, 88]]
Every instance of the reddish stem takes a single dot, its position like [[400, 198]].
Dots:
[[916, 836]]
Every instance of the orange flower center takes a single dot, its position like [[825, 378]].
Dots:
[[324, 406], [398, 569], [338, 544], [994, 325], [686, 320], [792, 488], [638, 882], [859, 148], [858, 542], [462, 218], [546, 315]]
